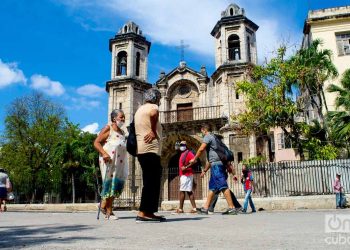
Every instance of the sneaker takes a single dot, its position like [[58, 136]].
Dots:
[[210, 212], [239, 209], [253, 211], [203, 211], [113, 217], [242, 211], [230, 211]]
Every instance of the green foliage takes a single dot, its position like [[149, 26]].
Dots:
[[315, 66], [339, 120], [42, 150], [269, 99], [320, 151], [255, 160], [270, 103]]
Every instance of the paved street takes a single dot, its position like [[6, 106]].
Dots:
[[263, 230]]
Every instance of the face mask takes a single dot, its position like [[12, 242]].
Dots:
[[182, 148], [120, 124]]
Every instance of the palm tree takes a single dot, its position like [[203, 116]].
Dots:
[[340, 120], [315, 67]]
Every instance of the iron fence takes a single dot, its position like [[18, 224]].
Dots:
[[298, 178], [281, 179]]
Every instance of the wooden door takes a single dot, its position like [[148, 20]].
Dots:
[[184, 112]]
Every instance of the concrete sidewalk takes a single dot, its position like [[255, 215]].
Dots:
[[81, 230], [269, 204]]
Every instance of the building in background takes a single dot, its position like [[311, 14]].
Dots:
[[332, 26]]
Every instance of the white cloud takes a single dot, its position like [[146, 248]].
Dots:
[[83, 103], [44, 84], [168, 21], [91, 128], [10, 74], [90, 90]]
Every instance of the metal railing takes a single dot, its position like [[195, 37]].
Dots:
[[297, 178], [190, 114]]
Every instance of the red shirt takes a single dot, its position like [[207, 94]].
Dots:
[[248, 182], [189, 156]]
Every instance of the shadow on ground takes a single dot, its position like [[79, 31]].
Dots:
[[26, 236], [184, 219]]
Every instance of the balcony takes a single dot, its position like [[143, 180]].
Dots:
[[191, 114]]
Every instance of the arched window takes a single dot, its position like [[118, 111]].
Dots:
[[122, 63], [231, 12], [248, 49], [137, 30], [234, 50], [125, 29], [138, 58]]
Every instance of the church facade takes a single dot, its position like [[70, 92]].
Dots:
[[189, 97]]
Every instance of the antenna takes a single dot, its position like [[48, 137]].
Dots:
[[182, 47]]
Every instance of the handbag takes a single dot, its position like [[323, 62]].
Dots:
[[131, 142], [10, 196]]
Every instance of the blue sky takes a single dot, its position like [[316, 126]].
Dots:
[[60, 47]]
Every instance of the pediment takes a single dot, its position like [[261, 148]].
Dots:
[[183, 72]]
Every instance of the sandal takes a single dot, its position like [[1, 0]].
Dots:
[[104, 211]]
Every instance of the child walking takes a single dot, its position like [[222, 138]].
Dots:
[[247, 181]]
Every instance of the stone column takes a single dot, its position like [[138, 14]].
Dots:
[[252, 146]]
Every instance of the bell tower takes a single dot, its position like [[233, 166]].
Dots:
[[235, 50], [235, 39], [129, 50]]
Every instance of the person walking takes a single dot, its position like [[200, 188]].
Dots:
[[113, 160], [338, 190], [148, 134], [5, 186], [247, 181], [236, 203], [218, 173], [186, 177]]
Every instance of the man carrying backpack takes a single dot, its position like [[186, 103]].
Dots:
[[218, 173], [186, 177]]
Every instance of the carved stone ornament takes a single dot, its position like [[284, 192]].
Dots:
[[184, 90]]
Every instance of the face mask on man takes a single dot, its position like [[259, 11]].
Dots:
[[182, 148]]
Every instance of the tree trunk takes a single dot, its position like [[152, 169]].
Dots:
[[73, 189]]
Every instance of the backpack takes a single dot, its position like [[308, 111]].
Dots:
[[224, 153], [131, 142]]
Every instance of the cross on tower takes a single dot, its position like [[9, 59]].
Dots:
[[182, 47]]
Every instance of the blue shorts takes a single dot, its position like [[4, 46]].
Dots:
[[218, 178]]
